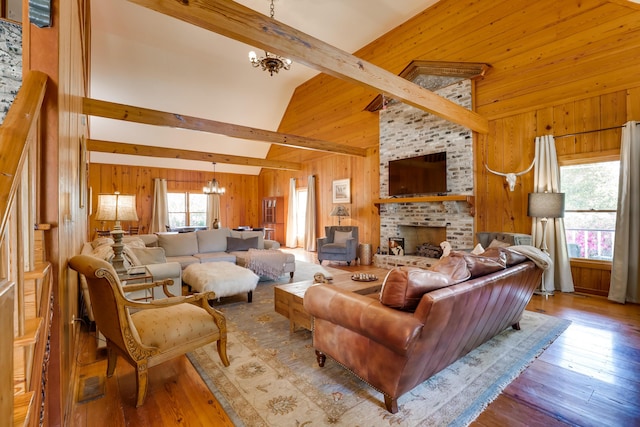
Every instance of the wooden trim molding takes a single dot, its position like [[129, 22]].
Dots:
[[418, 68]]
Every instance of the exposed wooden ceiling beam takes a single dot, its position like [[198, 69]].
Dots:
[[175, 153], [241, 23], [112, 110]]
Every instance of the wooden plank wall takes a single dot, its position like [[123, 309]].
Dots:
[[557, 68], [363, 173], [240, 204]]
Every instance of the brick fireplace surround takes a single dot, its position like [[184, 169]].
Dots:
[[406, 131]]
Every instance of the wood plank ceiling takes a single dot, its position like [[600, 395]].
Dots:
[[244, 24]]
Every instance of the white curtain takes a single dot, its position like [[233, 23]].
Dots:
[[310, 234], [547, 178], [625, 282], [213, 210], [160, 213], [292, 226]]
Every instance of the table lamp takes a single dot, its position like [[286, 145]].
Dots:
[[339, 211], [117, 207]]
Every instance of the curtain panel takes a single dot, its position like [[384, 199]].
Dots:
[[292, 215], [160, 213], [625, 281], [547, 178]]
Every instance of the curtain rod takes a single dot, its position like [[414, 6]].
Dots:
[[590, 131]]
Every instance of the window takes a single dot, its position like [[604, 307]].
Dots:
[[591, 195], [187, 209]]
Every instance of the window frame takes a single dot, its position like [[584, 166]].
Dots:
[[187, 213], [583, 159]]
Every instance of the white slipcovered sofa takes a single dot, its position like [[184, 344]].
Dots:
[[222, 244]]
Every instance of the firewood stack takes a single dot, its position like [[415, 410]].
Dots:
[[429, 250]]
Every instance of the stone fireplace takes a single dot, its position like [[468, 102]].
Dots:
[[415, 235], [406, 131]]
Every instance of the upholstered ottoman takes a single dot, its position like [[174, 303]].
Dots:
[[223, 277]]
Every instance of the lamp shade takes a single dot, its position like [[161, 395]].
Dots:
[[546, 205], [339, 211], [116, 207]]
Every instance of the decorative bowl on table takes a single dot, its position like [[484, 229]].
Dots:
[[364, 277]]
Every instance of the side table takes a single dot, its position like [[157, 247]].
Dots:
[[144, 277], [365, 253]]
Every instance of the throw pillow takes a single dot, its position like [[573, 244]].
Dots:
[[100, 241], [495, 243], [181, 244], [148, 256], [512, 258], [481, 265], [237, 244], [404, 287], [212, 240], [129, 256], [247, 234], [341, 237], [133, 241], [104, 252], [453, 266]]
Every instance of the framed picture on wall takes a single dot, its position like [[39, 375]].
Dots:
[[342, 191]]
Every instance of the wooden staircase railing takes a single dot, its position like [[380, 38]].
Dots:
[[25, 292]]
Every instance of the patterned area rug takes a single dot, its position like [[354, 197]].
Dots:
[[274, 380]]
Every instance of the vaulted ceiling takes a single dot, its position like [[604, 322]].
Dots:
[[145, 63]]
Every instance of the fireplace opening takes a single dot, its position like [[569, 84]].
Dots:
[[421, 240]]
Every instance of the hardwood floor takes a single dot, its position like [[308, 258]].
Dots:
[[589, 376]]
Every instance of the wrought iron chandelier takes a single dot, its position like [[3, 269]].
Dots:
[[212, 186], [270, 62]]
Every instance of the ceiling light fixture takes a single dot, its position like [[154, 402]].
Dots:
[[270, 62], [212, 186]]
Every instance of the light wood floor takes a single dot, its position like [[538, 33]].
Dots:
[[589, 376]]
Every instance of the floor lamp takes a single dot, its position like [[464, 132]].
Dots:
[[117, 207], [544, 206]]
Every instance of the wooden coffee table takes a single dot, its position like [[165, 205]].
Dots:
[[288, 298]]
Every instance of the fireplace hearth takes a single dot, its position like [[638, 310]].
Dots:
[[417, 236]]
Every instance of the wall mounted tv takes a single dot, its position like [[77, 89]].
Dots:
[[426, 174]]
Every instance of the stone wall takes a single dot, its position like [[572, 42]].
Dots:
[[10, 64], [406, 131]]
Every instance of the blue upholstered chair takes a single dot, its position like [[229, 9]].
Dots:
[[339, 244]]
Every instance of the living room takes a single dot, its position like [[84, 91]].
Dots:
[[568, 83]]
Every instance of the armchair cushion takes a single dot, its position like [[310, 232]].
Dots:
[[341, 237], [188, 322]]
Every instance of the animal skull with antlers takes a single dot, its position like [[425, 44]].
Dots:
[[511, 177]]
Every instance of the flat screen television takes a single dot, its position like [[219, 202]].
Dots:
[[426, 174]]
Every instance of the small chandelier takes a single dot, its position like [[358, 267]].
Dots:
[[270, 62], [212, 186]]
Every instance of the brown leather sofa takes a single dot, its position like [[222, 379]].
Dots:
[[423, 320]]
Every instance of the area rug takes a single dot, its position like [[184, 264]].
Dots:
[[274, 379]]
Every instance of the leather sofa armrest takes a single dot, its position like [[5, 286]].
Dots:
[[394, 329]]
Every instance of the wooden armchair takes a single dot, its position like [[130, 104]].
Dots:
[[148, 333]]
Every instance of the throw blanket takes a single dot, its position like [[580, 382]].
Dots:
[[267, 262], [540, 258]]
